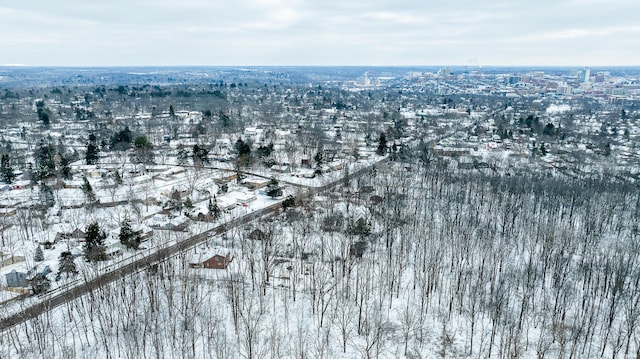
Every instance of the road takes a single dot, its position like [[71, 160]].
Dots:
[[160, 255]]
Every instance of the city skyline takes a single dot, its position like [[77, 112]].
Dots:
[[581, 33]]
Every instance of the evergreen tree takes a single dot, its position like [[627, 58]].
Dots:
[[65, 171], [46, 196], [117, 178], [142, 142], [183, 154], [543, 149], [94, 247], [265, 151], [290, 201], [43, 113], [188, 203], [382, 144], [144, 149], [273, 188], [244, 154], [242, 148], [122, 140], [359, 227], [88, 191], [200, 154], [66, 265], [318, 158], [225, 120], [213, 208], [39, 284], [39, 255], [91, 156], [44, 161], [175, 200], [6, 170], [127, 236]]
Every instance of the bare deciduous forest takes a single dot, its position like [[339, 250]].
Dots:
[[426, 262]]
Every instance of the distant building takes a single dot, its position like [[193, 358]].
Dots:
[[444, 72], [564, 90], [586, 75]]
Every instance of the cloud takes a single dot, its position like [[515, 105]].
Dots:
[[271, 32], [578, 33]]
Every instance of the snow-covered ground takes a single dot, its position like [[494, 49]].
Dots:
[[447, 265]]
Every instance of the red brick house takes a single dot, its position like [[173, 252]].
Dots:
[[215, 262]]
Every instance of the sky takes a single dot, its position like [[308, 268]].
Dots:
[[326, 33]]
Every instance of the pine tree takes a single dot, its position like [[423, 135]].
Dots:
[[200, 154], [182, 155], [213, 208], [46, 196], [318, 158], [44, 160], [290, 201], [144, 149], [66, 264], [6, 170], [39, 284], [43, 113], [382, 144], [88, 191], [94, 247], [117, 178], [39, 255], [65, 171], [188, 203], [543, 149], [127, 236], [91, 157], [273, 188]]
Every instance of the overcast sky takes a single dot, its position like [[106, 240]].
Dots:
[[323, 32]]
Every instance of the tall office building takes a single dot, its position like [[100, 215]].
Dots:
[[587, 75]]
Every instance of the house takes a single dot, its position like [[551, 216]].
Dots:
[[306, 174], [215, 262], [281, 169], [20, 277], [78, 235], [255, 182], [225, 177], [16, 279], [245, 198], [114, 250], [226, 204]]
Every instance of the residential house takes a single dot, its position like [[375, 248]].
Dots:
[[16, 278], [215, 262]]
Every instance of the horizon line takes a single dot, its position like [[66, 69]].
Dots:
[[327, 66]]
